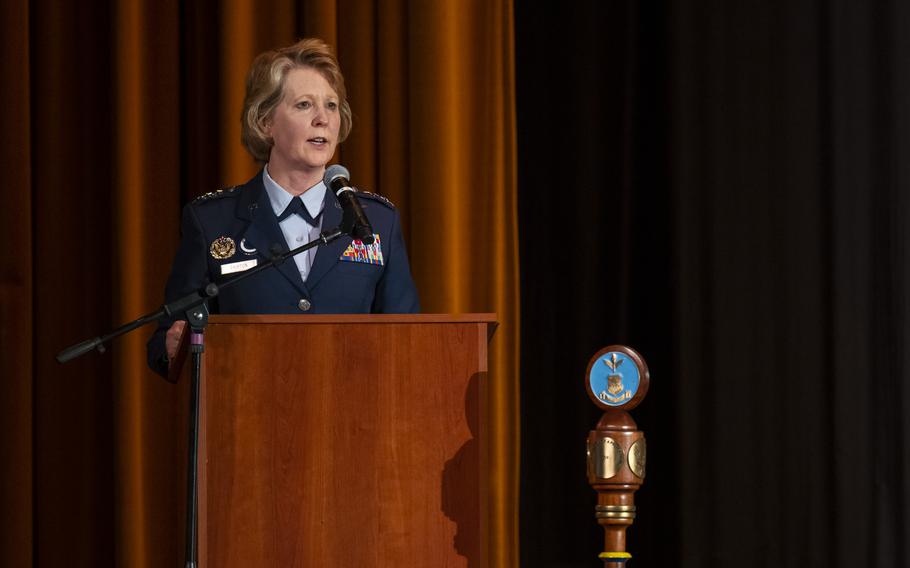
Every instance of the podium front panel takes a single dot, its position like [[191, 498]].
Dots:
[[338, 441]]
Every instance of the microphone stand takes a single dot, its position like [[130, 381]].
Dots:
[[195, 308]]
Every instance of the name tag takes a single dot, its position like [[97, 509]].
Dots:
[[232, 267]]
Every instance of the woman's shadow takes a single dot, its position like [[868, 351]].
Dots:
[[464, 481]]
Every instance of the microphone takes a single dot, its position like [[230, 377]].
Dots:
[[354, 221]]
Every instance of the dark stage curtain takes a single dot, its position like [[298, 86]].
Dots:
[[724, 186], [596, 228]]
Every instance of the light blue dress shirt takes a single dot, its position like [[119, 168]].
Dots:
[[296, 230]]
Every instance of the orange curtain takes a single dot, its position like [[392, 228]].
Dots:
[[463, 215], [145, 209], [132, 108]]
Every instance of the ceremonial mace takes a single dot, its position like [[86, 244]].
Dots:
[[617, 380]]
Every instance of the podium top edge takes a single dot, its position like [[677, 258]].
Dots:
[[352, 318]]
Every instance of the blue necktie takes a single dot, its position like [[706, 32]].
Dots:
[[296, 206]]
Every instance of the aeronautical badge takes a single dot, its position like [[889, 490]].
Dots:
[[368, 254], [617, 378], [222, 247]]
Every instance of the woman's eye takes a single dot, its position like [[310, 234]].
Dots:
[[332, 105], [304, 104]]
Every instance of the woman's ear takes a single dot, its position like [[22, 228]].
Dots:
[[266, 126]]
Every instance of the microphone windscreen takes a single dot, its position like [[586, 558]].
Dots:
[[333, 172]]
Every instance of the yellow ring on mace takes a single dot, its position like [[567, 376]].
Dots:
[[614, 555]]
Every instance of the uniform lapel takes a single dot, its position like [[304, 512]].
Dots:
[[328, 255], [263, 231]]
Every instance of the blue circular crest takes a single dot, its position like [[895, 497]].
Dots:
[[614, 378]]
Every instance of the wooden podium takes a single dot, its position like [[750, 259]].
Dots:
[[343, 440]]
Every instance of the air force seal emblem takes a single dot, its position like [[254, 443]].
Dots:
[[615, 378]]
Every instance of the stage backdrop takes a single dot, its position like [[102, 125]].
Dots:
[[733, 191], [116, 113], [722, 185]]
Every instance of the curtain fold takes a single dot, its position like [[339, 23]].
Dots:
[[16, 342], [70, 191], [463, 216], [792, 269], [146, 200]]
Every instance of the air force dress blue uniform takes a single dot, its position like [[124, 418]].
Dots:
[[346, 277]]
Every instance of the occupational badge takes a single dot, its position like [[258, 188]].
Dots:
[[222, 248], [367, 254], [246, 249]]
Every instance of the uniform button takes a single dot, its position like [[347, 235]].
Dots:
[[304, 304]]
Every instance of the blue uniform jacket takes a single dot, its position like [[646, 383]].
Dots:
[[333, 286]]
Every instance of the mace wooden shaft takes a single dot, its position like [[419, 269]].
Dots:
[[616, 469]]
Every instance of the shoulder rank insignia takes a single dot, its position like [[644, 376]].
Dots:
[[215, 195], [223, 247], [376, 196], [367, 254]]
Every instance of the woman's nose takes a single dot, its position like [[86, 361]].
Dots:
[[319, 117]]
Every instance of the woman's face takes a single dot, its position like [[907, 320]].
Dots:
[[304, 126]]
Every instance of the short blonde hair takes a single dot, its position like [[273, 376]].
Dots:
[[265, 90]]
